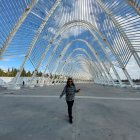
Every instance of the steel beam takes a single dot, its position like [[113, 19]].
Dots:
[[17, 26], [35, 38], [122, 33]]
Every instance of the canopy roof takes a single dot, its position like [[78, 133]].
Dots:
[[80, 38]]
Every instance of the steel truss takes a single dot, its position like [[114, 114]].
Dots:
[[35, 40], [17, 26], [120, 30]]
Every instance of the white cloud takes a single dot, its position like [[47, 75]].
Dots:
[[4, 68], [73, 32], [52, 30], [75, 10], [132, 68], [6, 59]]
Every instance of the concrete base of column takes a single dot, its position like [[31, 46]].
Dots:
[[40, 85], [13, 87], [136, 86], [31, 86]]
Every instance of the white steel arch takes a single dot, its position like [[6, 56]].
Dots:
[[90, 27], [17, 26], [101, 64], [124, 36]]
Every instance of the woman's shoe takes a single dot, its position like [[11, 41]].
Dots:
[[70, 120]]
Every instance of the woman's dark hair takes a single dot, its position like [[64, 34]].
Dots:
[[68, 82]]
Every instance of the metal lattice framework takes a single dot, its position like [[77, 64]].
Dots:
[[84, 39]]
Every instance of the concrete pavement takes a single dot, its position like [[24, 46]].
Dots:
[[100, 113]]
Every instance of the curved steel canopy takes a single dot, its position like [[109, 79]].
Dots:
[[37, 30]]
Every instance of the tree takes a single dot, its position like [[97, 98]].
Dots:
[[1, 72], [51, 76], [28, 74], [23, 73], [15, 72], [47, 75]]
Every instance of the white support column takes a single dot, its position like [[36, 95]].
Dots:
[[35, 40], [122, 33], [121, 64], [48, 65], [43, 57], [94, 72], [103, 49], [50, 57], [60, 71], [107, 72], [100, 62], [102, 78], [62, 68], [113, 68], [17, 26]]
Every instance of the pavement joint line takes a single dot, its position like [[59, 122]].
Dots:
[[78, 97]]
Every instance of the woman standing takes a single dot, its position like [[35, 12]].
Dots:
[[69, 91]]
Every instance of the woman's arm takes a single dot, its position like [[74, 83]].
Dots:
[[63, 92], [76, 90]]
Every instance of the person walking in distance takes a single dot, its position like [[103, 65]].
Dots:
[[69, 90]]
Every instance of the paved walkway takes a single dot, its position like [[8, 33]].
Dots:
[[100, 113]]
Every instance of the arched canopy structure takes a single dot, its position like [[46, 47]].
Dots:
[[42, 35]]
